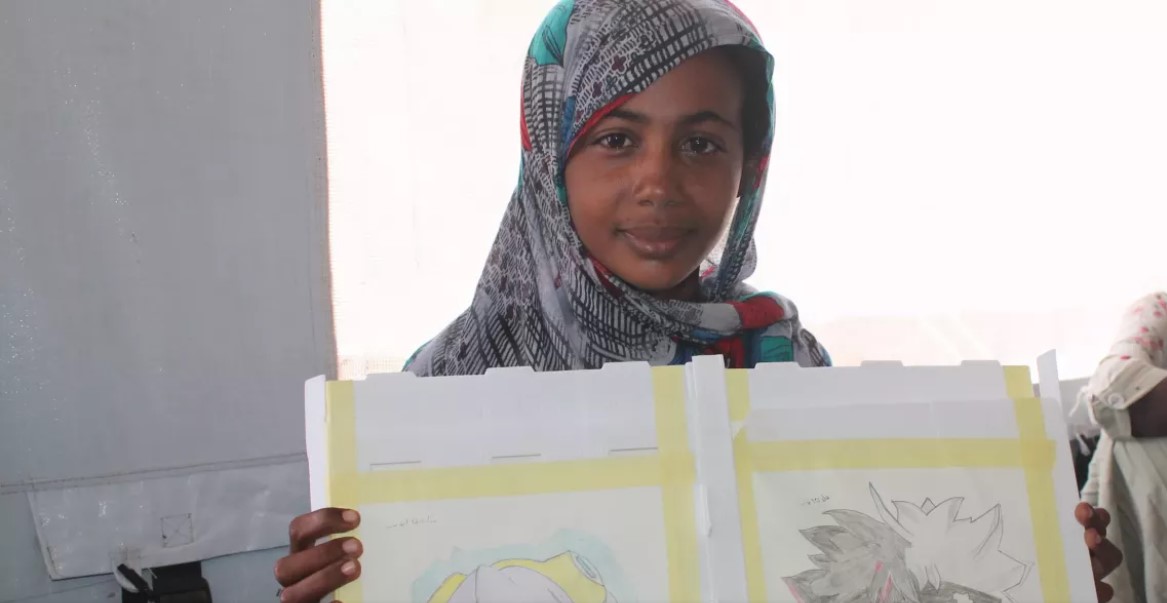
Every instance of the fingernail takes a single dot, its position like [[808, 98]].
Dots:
[[350, 516], [349, 568], [351, 546]]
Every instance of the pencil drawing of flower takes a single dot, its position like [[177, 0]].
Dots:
[[944, 547], [924, 553]]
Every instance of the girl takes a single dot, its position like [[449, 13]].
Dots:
[[646, 128]]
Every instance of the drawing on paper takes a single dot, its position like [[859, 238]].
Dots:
[[924, 553], [569, 566], [564, 578]]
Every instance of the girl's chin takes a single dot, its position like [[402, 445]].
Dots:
[[654, 282]]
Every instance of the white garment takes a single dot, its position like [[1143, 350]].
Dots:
[[1128, 476]]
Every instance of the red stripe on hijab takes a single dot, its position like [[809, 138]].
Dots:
[[596, 117]]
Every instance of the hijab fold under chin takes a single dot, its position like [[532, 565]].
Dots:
[[540, 301]]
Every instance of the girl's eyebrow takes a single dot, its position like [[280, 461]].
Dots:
[[706, 115]]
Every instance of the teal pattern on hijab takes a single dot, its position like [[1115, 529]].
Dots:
[[548, 43], [541, 301]]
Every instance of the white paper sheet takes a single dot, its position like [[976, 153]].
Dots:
[[989, 418], [719, 520], [957, 541], [618, 537], [460, 421], [501, 540], [930, 412], [786, 385], [315, 441]]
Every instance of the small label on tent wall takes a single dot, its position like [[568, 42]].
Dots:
[[177, 530]]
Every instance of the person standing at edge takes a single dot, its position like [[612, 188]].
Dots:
[[1128, 473]]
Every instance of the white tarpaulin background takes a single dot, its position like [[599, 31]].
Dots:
[[163, 281], [951, 180]]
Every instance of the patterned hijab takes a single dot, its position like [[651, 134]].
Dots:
[[541, 300]]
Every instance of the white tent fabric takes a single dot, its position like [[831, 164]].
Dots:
[[163, 281], [951, 180]]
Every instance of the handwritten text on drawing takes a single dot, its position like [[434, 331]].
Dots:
[[412, 522]]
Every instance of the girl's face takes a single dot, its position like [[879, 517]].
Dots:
[[652, 185]]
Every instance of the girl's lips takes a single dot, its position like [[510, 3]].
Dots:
[[654, 242]]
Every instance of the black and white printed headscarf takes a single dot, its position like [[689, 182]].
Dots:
[[541, 300]]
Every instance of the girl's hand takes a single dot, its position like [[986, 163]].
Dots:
[[1104, 556], [311, 571]]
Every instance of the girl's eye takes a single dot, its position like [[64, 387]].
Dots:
[[700, 146], [615, 141]]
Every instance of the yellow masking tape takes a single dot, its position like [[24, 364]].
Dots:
[[1043, 510], [341, 419], [1017, 383], [1032, 452], [672, 468], [518, 479], [922, 453], [680, 517], [737, 386]]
